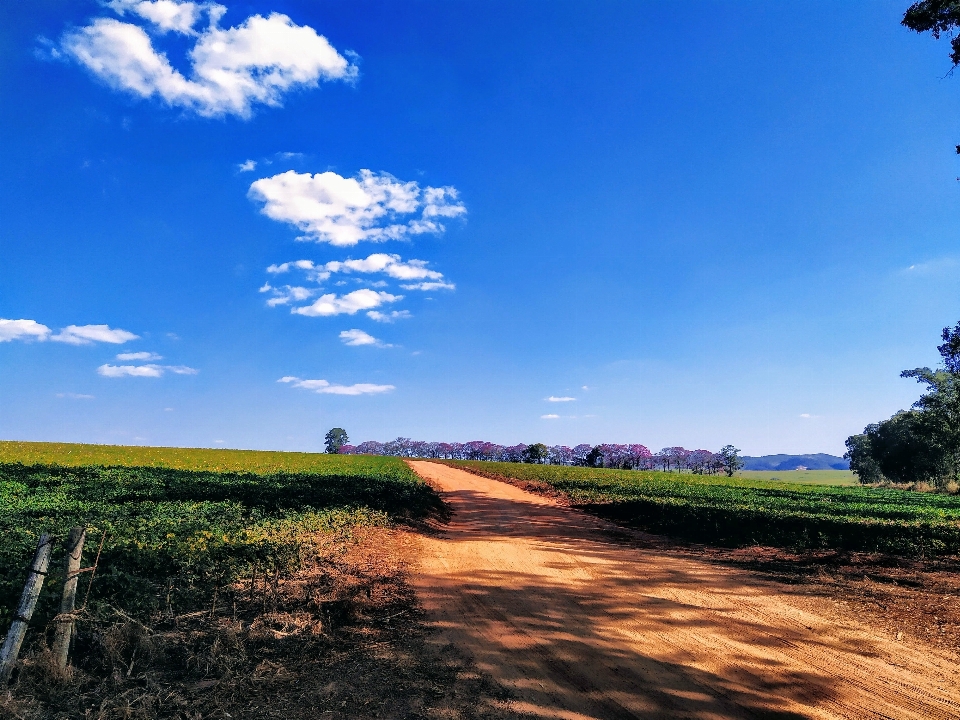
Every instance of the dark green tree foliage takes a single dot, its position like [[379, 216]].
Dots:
[[860, 454], [729, 459], [923, 444], [536, 453], [595, 457], [335, 439], [936, 17]]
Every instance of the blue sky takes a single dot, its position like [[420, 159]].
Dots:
[[707, 223]]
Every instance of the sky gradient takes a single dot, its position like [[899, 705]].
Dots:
[[671, 224]]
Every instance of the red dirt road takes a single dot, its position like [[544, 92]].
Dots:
[[577, 625]]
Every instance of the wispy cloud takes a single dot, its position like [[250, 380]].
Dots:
[[551, 416], [359, 337], [143, 356], [430, 286], [75, 396], [554, 398], [389, 317], [390, 265], [932, 267], [327, 388], [231, 69], [343, 211], [151, 370]]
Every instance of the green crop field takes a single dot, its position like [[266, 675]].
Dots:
[[816, 477], [181, 524], [254, 461], [742, 511]]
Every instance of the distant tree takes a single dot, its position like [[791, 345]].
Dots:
[[728, 459], [594, 458], [335, 439], [862, 463], [536, 453], [580, 454]]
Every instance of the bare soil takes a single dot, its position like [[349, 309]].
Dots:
[[579, 618]]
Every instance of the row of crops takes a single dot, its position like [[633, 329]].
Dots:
[[179, 526], [738, 511]]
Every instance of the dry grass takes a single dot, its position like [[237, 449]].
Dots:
[[342, 638]]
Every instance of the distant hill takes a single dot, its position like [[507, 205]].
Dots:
[[819, 461]]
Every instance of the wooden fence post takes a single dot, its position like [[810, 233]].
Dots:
[[28, 601], [64, 629]]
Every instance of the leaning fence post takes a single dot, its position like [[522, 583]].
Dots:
[[64, 627], [31, 591]]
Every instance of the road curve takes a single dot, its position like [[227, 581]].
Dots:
[[580, 626]]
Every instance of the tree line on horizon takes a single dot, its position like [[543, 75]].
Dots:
[[920, 445], [608, 455]]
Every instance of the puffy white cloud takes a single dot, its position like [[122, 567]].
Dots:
[[232, 69], [151, 370], [247, 166], [565, 398], [144, 356], [348, 304], [343, 211], [388, 317], [359, 337], [87, 334], [327, 388], [22, 330], [549, 417], [168, 15]]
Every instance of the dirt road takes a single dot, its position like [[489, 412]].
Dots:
[[578, 625]]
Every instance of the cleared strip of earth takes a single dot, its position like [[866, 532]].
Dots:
[[576, 624]]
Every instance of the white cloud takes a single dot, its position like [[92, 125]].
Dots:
[[388, 317], [168, 15], [324, 387], [359, 337], [349, 304], [342, 211], [139, 356], [87, 334], [75, 396], [430, 286], [390, 265], [247, 166], [565, 398], [549, 417], [22, 330], [287, 294], [154, 371], [231, 69], [114, 371]]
